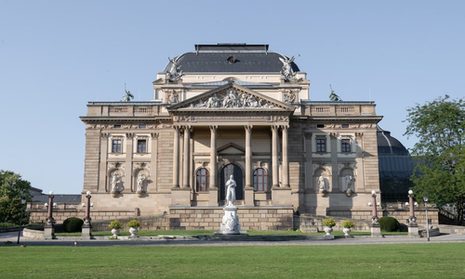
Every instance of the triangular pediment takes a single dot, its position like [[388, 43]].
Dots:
[[230, 97], [231, 149]]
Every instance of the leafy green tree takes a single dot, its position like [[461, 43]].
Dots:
[[14, 193], [440, 167]]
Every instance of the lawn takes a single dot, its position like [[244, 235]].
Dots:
[[336, 261]]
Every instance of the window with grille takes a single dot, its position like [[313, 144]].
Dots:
[[321, 144], [117, 145], [346, 146], [201, 183], [260, 180]]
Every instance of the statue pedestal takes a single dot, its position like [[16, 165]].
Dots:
[[375, 230], [413, 230], [49, 232], [230, 222], [282, 196], [86, 232], [249, 196]]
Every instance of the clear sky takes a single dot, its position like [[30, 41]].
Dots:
[[55, 56]]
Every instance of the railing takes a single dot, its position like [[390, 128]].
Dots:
[[338, 109]]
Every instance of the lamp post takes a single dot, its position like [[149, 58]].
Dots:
[[23, 201], [87, 226], [375, 227], [425, 200], [49, 229], [412, 220]]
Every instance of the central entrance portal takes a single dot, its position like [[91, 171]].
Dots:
[[226, 171]]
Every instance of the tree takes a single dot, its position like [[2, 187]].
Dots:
[[440, 166], [14, 193]]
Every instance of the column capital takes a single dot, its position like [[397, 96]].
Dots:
[[248, 127], [213, 127], [284, 127]]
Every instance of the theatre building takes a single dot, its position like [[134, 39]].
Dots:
[[231, 109]]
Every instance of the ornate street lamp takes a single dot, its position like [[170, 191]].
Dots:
[[49, 229], [412, 220], [87, 226], [375, 227], [425, 200]]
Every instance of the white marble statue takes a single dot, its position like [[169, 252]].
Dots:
[[140, 183], [230, 191], [287, 71]]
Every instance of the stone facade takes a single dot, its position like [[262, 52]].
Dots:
[[257, 124]]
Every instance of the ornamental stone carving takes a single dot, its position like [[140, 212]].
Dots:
[[232, 98], [289, 96], [172, 96]]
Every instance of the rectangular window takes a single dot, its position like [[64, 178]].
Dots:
[[346, 146], [320, 144], [142, 146], [117, 145]]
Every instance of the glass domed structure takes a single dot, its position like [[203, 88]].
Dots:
[[395, 167]]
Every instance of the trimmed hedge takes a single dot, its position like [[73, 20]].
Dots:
[[389, 224], [73, 224]]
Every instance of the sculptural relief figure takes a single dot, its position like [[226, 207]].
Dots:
[[230, 191], [116, 183], [322, 184], [141, 183], [348, 184], [213, 102]]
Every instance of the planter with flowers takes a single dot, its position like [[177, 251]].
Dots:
[[115, 226], [347, 226], [328, 224], [134, 226]]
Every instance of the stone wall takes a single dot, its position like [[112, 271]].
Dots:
[[40, 215], [250, 218]]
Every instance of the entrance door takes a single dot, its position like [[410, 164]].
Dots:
[[224, 176]]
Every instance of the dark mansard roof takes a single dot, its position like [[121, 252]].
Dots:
[[231, 58]]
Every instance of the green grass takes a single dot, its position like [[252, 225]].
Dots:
[[335, 261]]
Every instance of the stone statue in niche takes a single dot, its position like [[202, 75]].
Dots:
[[141, 179], [322, 184], [116, 183], [348, 185]]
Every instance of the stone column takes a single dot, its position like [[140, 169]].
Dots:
[[274, 156], [176, 158], [213, 158], [285, 160], [186, 158], [248, 156], [249, 193]]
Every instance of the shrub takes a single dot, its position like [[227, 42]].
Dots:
[[134, 223], [115, 224], [328, 222], [73, 224], [347, 224], [389, 224]]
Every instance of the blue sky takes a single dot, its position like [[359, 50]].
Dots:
[[55, 56]]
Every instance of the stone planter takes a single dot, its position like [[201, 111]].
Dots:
[[115, 233], [328, 231], [133, 231], [346, 232]]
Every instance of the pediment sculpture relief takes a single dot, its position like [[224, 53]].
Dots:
[[232, 98]]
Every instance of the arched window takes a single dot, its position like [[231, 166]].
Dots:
[[201, 181], [260, 180]]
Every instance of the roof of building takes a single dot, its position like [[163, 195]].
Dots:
[[231, 58], [389, 145]]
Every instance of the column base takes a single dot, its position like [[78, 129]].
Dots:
[[249, 198], [49, 232], [86, 232], [413, 231], [181, 196], [281, 196]]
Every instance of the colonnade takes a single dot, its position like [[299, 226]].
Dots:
[[248, 129]]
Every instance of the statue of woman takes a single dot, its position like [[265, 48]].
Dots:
[[322, 184], [140, 183], [230, 191]]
